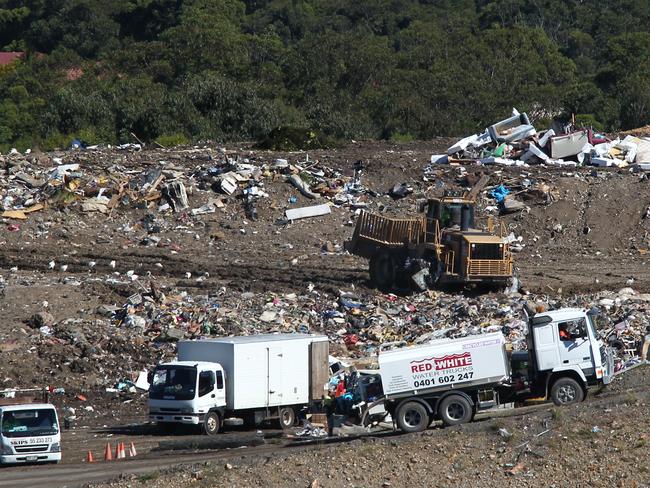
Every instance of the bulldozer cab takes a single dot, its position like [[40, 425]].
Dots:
[[451, 211]]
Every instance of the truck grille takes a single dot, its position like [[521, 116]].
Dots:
[[489, 267], [34, 448]]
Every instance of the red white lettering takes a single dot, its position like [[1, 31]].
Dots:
[[446, 362], [453, 361], [420, 368]]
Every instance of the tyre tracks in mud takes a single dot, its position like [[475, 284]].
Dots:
[[244, 271], [261, 272]]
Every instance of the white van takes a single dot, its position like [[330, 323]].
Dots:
[[29, 433]]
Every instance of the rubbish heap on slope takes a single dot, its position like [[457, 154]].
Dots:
[[515, 142]]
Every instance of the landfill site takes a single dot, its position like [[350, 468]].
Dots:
[[117, 259]]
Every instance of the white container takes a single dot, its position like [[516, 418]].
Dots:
[[444, 364], [267, 369]]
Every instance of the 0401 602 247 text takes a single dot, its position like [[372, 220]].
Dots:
[[441, 380]]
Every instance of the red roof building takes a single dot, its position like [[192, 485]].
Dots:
[[10, 57]]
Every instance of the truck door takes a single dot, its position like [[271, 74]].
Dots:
[[546, 346], [206, 397], [574, 344], [274, 376], [220, 387]]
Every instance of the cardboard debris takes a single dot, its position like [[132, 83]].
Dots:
[[95, 205], [306, 212], [14, 214]]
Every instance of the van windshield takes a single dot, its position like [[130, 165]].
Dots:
[[25, 423], [173, 383]]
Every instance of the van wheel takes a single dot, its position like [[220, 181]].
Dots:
[[454, 410], [287, 417], [566, 391], [412, 417], [212, 423], [382, 271]]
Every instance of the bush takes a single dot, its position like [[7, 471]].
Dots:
[[294, 139], [399, 137], [588, 120], [171, 140]]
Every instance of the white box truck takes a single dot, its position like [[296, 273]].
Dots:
[[29, 432], [240, 379], [451, 379]]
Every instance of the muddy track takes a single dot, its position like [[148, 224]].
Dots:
[[246, 272], [257, 271], [583, 275]]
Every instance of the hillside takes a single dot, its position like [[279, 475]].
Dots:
[[190, 70]]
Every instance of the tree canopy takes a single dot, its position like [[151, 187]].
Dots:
[[237, 69]]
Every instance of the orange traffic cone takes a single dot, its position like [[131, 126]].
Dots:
[[89, 457], [132, 451], [121, 452], [108, 455]]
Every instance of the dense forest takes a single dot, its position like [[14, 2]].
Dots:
[[187, 70]]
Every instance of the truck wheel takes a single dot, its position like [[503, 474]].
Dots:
[[566, 391], [454, 410], [382, 271], [287, 417], [212, 423], [412, 417]]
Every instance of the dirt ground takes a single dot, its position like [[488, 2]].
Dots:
[[590, 237], [591, 444]]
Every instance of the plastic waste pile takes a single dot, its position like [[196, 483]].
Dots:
[[515, 142]]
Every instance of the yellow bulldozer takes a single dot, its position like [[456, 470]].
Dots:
[[440, 246]]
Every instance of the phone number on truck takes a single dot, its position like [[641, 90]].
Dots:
[[442, 380]]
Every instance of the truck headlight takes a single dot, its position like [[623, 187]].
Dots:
[[186, 410], [55, 447], [6, 449]]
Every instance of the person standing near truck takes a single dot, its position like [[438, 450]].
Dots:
[[330, 408], [645, 349]]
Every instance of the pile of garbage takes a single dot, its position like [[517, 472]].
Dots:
[[118, 341], [358, 325], [515, 142], [112, 347], [98, 182]]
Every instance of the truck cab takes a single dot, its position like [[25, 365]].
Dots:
[[29, 433], [465, 254], [566, 355], [186, 391]]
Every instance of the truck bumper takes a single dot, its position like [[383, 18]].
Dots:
[[41, 457], [177, 418]]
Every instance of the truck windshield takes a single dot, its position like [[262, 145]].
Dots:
[[173, 383], [26, 423]]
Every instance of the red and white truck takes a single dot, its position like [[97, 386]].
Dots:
[[452, 379]]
